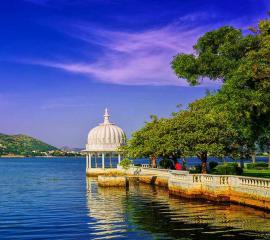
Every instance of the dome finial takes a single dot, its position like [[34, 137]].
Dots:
[[106, 117]]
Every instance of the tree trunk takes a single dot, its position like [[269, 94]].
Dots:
[[242, 162], [253, 156], [154, 161], [203, 158], [174, 158], [184, 165], [150, 162]]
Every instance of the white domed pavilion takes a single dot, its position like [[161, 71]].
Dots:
[[104, 140]]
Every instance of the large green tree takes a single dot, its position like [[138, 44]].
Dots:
[[204, 131], [201, 130], [227, 123], [156, 139], [242, 63]]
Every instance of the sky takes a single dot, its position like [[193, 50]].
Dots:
[[62, 62]]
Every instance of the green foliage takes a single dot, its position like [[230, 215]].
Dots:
[[156, 138], [228, 169], [125, 163], [199, 131], [205, 131], [212, 165], [242, 63], [258, 165], [23, 145], [219, 53], [229, 122], [166, 163], [263, 173]]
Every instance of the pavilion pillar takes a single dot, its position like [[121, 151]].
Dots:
[[86, 162], [103, 160], [96, 159], [119, 158], [110, 160], [90, 160]]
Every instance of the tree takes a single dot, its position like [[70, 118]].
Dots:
[[264, 142], [2, 148], [242, 62], [170, 145], [204, 132], [200, 130], [145, 142]]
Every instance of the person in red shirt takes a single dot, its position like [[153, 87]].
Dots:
[[178, 166]]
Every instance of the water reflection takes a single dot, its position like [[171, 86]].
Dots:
[[148, 212], [106, 207]]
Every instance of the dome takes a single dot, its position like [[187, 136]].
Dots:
[[105, 137]]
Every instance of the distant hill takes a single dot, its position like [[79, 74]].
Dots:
[[22, 145], [69, 149]]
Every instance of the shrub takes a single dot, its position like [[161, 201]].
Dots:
[[125, 163], [228, 169], [258, 165], [166, 163], [212, 165], [196, 169]]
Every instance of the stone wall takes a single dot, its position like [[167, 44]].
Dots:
[[250, 191], [223, 188], [105, 181], [153, 176]]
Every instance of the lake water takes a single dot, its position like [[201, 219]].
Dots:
[[50, 198]]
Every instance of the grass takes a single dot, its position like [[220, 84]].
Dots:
[[264, 173]]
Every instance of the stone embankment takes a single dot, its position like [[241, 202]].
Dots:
[[95, 172], [249, 191], [222, 188], [113, 181], [152, 176]]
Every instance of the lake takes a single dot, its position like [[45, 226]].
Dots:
[[50, 198]]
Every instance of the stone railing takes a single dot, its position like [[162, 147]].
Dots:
[[246, 190], [145, 165], [254, 182]]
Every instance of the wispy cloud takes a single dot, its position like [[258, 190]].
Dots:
[[197, 16], [131, 58]]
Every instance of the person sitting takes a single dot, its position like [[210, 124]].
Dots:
[[178, 166]]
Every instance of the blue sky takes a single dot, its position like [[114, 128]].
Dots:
[[63, 61]]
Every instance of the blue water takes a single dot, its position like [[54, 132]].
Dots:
[[50, 198]]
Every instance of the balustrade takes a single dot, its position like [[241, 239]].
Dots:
[[145, 165], [254, 182]]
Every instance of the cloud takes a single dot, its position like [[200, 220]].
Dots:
[[131, 58], [198, 16]]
